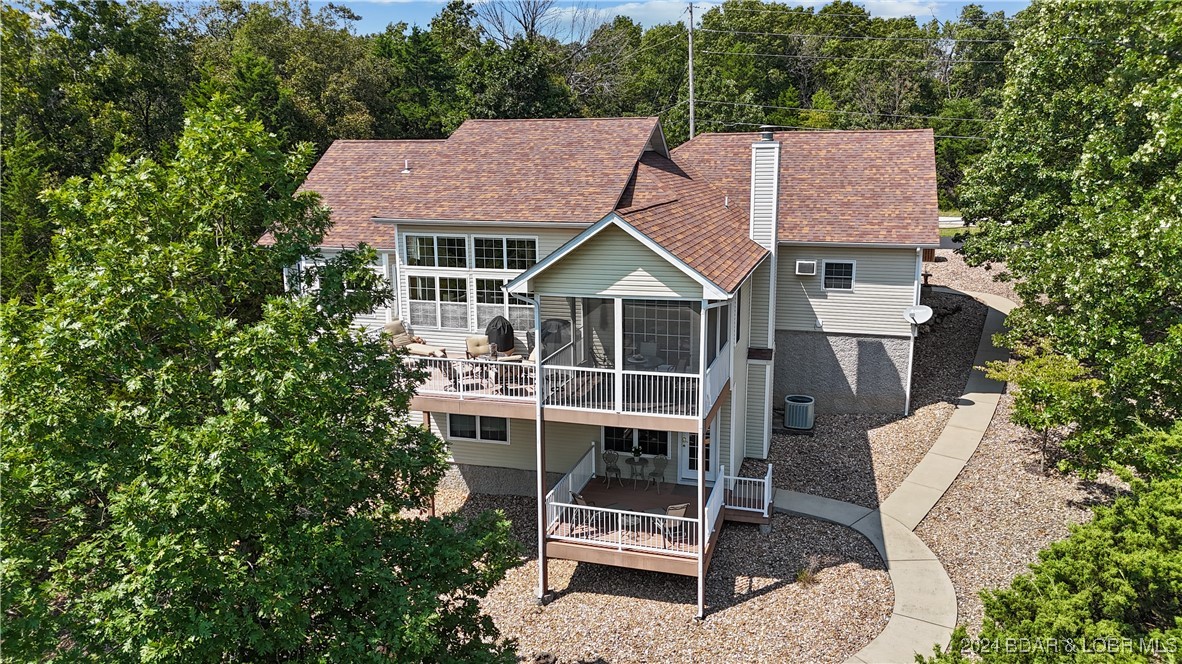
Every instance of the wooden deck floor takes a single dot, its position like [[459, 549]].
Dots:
[[637, 499]]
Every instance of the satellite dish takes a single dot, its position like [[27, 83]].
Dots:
[[918, 314]]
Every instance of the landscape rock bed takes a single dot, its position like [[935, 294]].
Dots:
[[757, 608], [863, 458], [1001, 510]]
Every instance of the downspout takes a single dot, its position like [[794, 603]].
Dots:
[[914, 329]]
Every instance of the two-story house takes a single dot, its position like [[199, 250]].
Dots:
[[661, 302]]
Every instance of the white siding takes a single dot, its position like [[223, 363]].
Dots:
[[884, 285], [614, 263], [381, 315], [757, 322], [765, 170], [738, 404], [756, 409]]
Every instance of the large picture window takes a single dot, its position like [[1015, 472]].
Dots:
[[622, 440], [438, 299], [480, 428], [839, 275]]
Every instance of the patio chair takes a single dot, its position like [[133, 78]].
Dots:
[[611, 461], [400, 337], [583, 518], [673, 531], [478, 346], [657, 474], [464, 376]]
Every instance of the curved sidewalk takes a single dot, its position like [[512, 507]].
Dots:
[[925, 601]]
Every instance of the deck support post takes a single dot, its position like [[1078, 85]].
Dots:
[[540, 427], [702, 544]]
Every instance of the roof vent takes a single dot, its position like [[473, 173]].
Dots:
[[765, 133], [406, 168]]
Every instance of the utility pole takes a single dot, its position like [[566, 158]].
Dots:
[[691, 70]]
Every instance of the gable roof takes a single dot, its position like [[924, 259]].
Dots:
[[549, 170], [692, 219], [857, 187]]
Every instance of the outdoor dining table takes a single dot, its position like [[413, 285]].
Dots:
[[636, 466]]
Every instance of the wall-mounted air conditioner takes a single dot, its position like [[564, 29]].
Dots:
[[806, 268]]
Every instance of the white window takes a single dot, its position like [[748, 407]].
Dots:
[[437, 251], [622, 440], [468, 291], [839, 275], [480, 428], [717, 331], [438, 301]]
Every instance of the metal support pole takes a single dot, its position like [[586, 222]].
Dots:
[[691, 70]]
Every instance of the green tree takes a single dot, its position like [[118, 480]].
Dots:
[[521, 80], [1078, 195], [200, 467], [1108, 592], [1050, 391], [27, 231]]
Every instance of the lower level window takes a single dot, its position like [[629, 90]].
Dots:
[[622, 440], [478, 427], [839, 275]]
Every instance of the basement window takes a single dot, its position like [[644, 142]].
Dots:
[[478, 428]]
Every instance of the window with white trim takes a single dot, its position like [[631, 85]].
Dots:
[[454, 282], [437, 251], [479, 428], [839, 275], [438, 301], [622, 440]]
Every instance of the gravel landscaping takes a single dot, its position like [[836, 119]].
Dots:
[[950, 270], [1002, 510], [863, 458], [758, 610]]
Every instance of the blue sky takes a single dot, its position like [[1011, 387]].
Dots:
[[376, 14]]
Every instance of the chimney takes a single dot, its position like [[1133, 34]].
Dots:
[[765, 188]]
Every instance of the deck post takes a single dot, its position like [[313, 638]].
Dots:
[[702, 337], [540, 427]]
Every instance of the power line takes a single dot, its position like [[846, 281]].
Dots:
[[801, 56], [802, 35], [807, 13], [776, 126], [821, 110]]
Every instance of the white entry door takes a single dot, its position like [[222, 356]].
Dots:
[[687, 456]]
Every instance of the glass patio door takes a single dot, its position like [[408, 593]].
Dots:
[[687, 457]]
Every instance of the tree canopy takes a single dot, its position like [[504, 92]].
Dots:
[[1078, 196], [199, 466]]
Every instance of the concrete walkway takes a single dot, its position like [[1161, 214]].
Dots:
[[925, 601]]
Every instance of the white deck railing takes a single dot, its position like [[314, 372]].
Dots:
[[717, 374], [714, 505], [624, 530], [476, 379], [640, 392], [750, 494], [571, 483]]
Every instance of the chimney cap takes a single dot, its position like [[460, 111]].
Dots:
[[765, 133]]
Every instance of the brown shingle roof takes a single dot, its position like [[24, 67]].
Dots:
[[690, 217], [556, 170], [355, 178], [874, 187]]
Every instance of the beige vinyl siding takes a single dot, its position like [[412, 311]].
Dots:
[[613, 263], [756, 409], [884, 285], [565, 445], [548, 239], [738, 404], [757, 322], [724, 437]]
